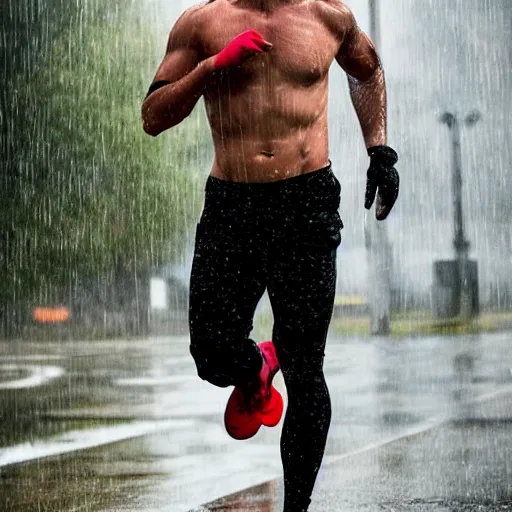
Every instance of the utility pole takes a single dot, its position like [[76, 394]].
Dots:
[[374, 22], [460, 243], [378, 248]]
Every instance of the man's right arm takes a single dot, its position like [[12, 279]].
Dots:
[[180, 80]]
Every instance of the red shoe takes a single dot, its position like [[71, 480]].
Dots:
[[258, 403]]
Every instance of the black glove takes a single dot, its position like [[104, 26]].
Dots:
[[384, 176]]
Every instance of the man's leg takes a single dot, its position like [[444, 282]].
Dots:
[[228, 279], [302, 280], [302, 298]]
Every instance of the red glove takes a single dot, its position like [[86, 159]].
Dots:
[[242, 47]]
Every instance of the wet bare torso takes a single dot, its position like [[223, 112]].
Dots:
[[269, 116]]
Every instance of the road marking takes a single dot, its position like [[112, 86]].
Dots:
[[429, 424], [88, 438], [38, 375]]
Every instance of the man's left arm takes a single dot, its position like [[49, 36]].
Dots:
[[358, 58]]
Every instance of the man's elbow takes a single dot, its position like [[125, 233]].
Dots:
[[151, 129], [372, 69], [153, 126], [367, 69], [148, 124], [154, 129]]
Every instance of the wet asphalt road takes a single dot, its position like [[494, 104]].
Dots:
[[429, 417], [462, 465]]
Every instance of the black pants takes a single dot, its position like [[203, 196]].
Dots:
[[281, 237]]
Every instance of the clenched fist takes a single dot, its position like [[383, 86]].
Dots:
[[382, 179], [241, 48]]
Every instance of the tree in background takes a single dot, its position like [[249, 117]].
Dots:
[[90, 194]]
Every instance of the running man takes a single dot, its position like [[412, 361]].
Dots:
[[270, 219]]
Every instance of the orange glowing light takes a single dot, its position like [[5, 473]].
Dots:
[[51, 315]]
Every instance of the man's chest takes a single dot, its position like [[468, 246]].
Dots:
[[303, 48]]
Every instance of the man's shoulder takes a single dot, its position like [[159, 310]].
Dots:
[[334, 7], [198, 11], [192, 20], [336, 14]]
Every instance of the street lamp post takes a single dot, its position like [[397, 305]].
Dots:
[[377, 244], [374, 22], [460, 243]]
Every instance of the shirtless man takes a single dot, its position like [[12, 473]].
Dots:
[[270, 219]]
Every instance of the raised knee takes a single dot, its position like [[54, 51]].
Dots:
[[209, 367], [230, 365]]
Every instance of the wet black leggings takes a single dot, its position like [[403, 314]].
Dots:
[[281, 237]]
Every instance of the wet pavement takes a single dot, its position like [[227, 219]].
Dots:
[[462, 465], [418, 424]]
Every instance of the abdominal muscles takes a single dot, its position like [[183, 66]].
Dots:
[[267, 132]]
